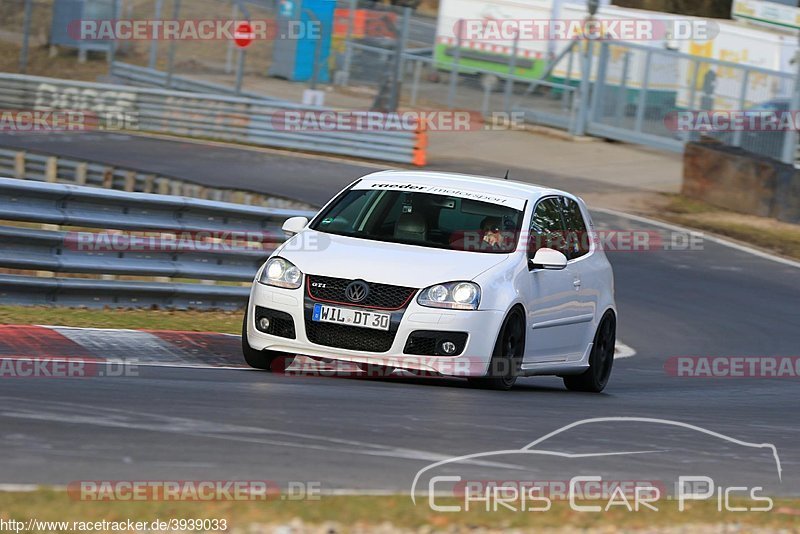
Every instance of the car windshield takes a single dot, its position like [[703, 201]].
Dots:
[[423, 219]]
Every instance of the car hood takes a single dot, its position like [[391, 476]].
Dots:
[[386, 263]]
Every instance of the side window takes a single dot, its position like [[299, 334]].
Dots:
[[547, 227], [577, 236]]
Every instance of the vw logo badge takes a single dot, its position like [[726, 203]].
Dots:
[[356, 291]]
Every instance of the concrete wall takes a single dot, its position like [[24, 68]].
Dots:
[[731, 178]]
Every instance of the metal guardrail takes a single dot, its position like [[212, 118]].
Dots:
[[238, 119], [148, 77], [26, 165], [56, 251]]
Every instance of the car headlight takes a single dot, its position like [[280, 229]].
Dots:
[[453, 295], [281, 273]]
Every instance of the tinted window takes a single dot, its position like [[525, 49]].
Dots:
[[577, 236], [423, 219], [547, 227]]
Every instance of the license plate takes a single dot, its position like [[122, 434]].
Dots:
[[364, 319]]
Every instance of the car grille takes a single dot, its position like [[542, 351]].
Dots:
[[349, 337], [382, 296], [280, 323]]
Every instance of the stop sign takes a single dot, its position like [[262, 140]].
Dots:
[[243, 36]]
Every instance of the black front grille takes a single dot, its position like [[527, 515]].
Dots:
[[280, 323], [349, 337], [383, 296]]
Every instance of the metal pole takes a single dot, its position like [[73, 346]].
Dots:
[[586, 87], [112, 47], [240, 71], [415, 85], [451, 92], [599, 84], [737, 135], [568, 78], [348, 50], [394, 98], [512, 68], [154, 42], [622, 96], [231, 46], [176, 12], [487, 93], [643, 94], [693, 89], [23, 55]]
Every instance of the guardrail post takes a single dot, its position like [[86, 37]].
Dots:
[[108, 178], [80, 173], [51, 170], [148, 183], [130, 181], [19, 165], [163, 186]]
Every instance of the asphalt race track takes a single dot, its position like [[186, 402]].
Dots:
[[347, 433], [306, 178]]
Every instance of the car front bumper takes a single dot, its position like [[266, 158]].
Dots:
[[481, 327]]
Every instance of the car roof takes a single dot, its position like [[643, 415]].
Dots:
[[467, 181]]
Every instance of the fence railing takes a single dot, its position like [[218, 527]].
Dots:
[[26, 165], [149, 77], [245, 120], [164, 236]]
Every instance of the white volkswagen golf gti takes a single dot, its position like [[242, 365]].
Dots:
[[440, 273]]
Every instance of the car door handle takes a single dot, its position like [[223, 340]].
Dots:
[[576, 283]]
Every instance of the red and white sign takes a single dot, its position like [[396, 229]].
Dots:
[[243, 36]]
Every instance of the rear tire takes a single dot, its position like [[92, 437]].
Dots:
[[266, 360], [507, 355], [601, 359]]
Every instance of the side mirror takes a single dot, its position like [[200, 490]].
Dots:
[[547, 258], [294, 225]]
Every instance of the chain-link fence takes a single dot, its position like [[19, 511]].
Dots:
[[384, 57], [649, 94], [21, 18]]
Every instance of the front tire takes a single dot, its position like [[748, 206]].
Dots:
[[601, 359], [266, 360], [507, 355]]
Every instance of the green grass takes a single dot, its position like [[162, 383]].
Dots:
[[190, 321], [365, 512]]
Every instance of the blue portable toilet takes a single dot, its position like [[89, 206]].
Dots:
[[295, 48], [65, 25]]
